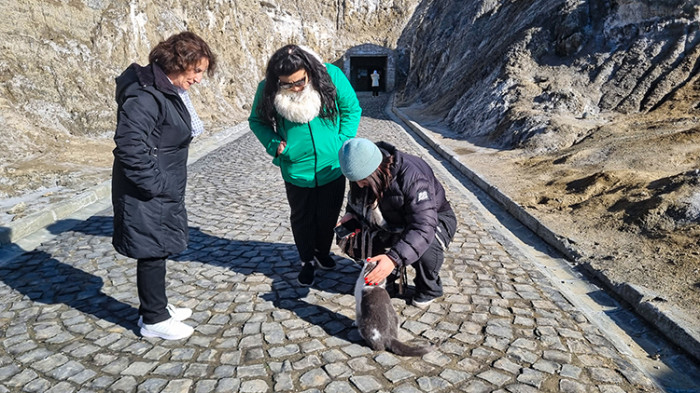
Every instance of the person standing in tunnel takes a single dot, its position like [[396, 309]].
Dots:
[[375, 83], [155, 125], [302, 113]]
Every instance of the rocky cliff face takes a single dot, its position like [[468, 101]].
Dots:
[[58, 60], [608, 88], [545, 75], [586, 113]]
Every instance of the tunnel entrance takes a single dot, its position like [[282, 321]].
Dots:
[[360, 69], [360, 61]]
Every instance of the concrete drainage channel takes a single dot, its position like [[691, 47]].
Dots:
[[673, 368]]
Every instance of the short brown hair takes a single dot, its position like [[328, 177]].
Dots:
[[181, 52]]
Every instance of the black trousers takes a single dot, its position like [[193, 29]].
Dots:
[[150, 282], [427, 280], [314, 213], [375, 90]]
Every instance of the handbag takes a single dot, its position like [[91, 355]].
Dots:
[[351, 246], [358, 247]]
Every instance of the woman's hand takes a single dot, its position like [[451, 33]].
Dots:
[[384, 267], [280, 148], [349, 231]]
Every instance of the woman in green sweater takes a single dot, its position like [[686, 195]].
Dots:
[[302, 113]]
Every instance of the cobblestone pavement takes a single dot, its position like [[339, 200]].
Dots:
[[68, 309]]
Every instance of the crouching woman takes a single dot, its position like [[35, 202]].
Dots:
[[397, 196]]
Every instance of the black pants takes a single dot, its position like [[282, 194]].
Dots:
[[314, 213], [428, 266], [150, 282], [375, 90]]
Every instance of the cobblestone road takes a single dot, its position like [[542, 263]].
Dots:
[[68, 309]]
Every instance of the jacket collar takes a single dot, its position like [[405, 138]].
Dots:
[[387, 148], [160, 80], [150, 75]]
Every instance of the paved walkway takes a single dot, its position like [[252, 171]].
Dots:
[[68, 309]]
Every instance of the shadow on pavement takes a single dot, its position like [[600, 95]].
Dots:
[[44, 279], [277, 261]]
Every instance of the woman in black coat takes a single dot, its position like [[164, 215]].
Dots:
[[397, 197], [155, 124]]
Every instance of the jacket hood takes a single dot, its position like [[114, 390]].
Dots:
[[387, 147], [391, 150], [150, 75]]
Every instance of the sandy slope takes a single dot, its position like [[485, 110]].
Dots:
[[627, 197]]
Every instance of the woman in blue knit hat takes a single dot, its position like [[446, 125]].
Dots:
[[397, 196]]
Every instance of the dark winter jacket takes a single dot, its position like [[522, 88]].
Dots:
[[413, 205], [150, 165]]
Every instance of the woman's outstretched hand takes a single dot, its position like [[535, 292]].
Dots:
[[384, 267]]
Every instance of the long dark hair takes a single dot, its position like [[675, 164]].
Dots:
[[378, 181], [286, 61], [181, 52]]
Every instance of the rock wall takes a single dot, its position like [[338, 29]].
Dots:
[[531, 74], [543, 75], [58, 60]]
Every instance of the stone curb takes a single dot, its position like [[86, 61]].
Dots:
[[25, 226], [668, 322], [20, 228]]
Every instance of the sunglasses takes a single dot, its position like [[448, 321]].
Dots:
[[300, 83]]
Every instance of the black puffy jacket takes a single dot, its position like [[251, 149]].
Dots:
[[414, 200], [149, 175]]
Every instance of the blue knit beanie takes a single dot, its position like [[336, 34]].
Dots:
[[359, 158]]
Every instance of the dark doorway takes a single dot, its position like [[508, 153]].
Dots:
[[360, 69]]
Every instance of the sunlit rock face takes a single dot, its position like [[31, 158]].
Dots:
[[530, 74], [58, 61], [542, 75]]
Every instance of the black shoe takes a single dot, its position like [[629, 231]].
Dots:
[[391, 287], [325, 262], [306, 276], [423, 301]]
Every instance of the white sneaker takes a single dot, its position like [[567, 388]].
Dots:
[[170, 329], [422, 303], [177, 313]]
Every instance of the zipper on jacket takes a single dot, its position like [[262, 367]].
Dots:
[[313, 144]]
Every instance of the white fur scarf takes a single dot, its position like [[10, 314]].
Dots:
[[299, 107]]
